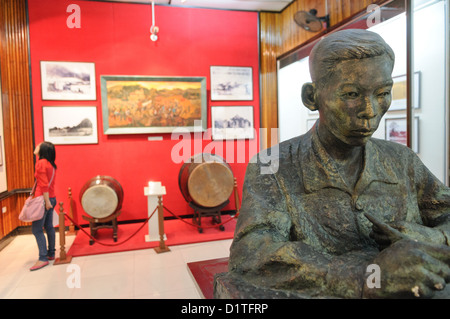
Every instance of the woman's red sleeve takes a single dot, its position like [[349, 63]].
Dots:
[[41, 176]]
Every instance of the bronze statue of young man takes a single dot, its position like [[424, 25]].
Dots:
[[340, 200]]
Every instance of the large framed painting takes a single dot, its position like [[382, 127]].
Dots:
[[232, 122], [231, 83], [141, 104], [68, 81], [70, 124]]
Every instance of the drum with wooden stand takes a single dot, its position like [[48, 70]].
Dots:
[[206, 182], [101, 198]]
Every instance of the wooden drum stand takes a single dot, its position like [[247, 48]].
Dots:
[[200, 212], [99, 223]]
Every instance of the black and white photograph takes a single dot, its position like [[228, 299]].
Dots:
[[70, 124], [231, 83], [232, 122], [68, 80]]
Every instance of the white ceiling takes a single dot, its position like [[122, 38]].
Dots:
[[244, 5]]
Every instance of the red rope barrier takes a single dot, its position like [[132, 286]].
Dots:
[[107, 244], [201, 226], [117, 244]]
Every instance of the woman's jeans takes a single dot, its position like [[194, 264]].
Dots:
[[37, 228]]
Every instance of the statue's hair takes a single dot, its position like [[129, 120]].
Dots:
[[345, 45]]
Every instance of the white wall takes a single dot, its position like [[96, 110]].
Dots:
[[393, 32], [429, 59], [292, 114]]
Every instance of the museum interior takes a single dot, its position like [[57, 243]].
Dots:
[[156, 108]]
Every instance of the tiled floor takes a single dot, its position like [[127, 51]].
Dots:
[[134, 274]]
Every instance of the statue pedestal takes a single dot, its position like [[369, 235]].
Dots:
[[152, 191], [230, 286]]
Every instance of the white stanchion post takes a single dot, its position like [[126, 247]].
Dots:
[[152, 191]]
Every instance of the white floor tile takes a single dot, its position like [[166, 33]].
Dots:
[[149, 259], [41, 291], [10, 281], [105, 287], [204, 251], [163, 279], [140, 274], [108, 264]]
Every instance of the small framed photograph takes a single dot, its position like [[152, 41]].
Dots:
[[68, 81], [396, 131], [231, 83], [70, 124], [232, 122], [399, 93]]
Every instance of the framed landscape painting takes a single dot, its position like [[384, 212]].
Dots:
[[68, 80], [70, 124], [139, 104]]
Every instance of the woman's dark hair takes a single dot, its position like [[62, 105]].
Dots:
[[47, 151]]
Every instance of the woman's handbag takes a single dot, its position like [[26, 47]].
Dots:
[[34, 208]]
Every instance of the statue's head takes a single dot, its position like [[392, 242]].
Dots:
[[351, 73]]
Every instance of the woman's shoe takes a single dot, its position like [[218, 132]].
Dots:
[[51, 258], [39, 265]]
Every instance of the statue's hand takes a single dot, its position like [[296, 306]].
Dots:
[[410, 269], [382, 233], [385, 235], [420, 232]]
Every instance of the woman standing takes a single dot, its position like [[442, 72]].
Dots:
[[45, 174]]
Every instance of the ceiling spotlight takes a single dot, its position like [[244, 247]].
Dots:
[[154, 32], [153, 29]]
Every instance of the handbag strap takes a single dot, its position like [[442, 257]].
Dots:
[[35, 183], [34, 188], [53, 175]]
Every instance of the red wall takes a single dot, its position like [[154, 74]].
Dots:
[[115, 36]]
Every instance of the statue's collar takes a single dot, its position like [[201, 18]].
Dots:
[[320, 171]]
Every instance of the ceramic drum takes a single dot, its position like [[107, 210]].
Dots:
[[101, 196], [206, 179]]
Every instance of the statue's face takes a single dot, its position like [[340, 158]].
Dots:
[[355, 98]]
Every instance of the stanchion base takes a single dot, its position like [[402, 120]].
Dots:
[[160, 250], [59, 261]]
